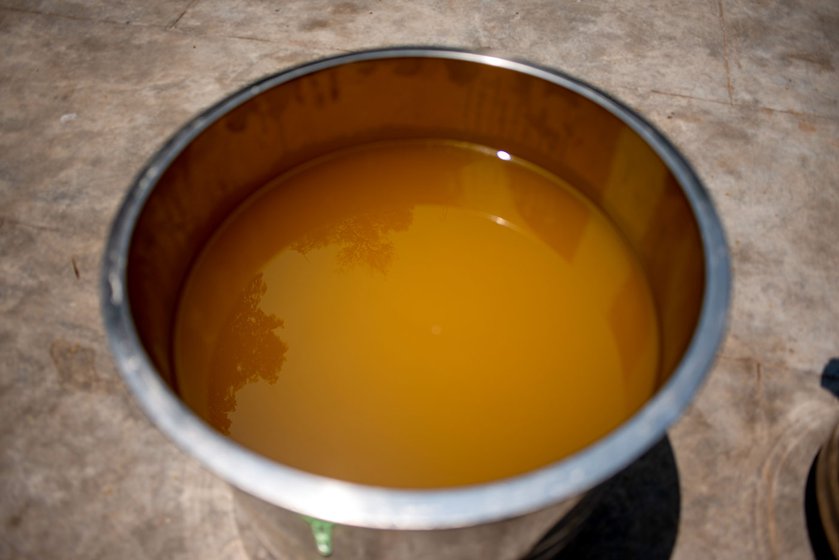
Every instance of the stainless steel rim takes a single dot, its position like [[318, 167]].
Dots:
[[368, 506]]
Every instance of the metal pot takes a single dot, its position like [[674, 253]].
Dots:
[[614, 157], [827, 490]]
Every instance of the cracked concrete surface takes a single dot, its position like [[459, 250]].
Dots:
[[749, 91]]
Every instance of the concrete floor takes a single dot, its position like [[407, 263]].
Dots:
[[748, 89]]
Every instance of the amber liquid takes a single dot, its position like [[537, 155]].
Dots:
[[416, 315]]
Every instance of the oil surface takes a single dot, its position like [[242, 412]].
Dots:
[[416, 315]]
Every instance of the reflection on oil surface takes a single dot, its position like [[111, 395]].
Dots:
[[361, 239], [248, 350], [416, 314]]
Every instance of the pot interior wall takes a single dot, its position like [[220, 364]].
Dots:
[[385, 99]]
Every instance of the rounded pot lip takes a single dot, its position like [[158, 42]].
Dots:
[[386, 508]]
